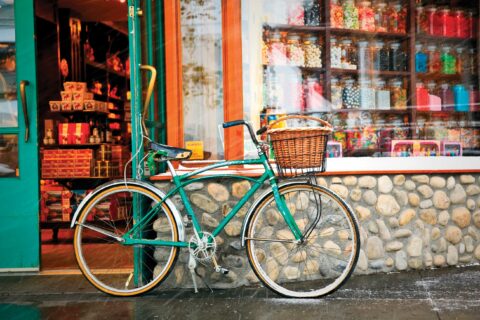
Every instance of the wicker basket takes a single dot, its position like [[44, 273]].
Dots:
[[299, 151]]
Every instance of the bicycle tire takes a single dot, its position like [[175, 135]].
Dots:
[[133, 272], [307, 269]]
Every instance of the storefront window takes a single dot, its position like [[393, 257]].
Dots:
[[8, 155], [8, 96], [201, 28], [385, 96]]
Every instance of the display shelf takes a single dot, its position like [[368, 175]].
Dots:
[[73, 146], [95, 112], [370, 73], [290, 67], [107, 98], [103, 67], [441, 39], [368, 34], [291, 28], [82, 178], [444, 77]]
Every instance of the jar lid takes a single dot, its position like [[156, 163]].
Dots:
[[396, 82], [446, 48], [379, 43], [333, 40], [349, 81], [293, 36], [362, 43], [276, 36], [379, 82], [310, 38], [460, 49], [382, 5], [432, 47], [458, 11], [366, 3], [347, 41], [445, 85], [365, 82], [334, 80], [420, 8], [418, 46], [431, 8]]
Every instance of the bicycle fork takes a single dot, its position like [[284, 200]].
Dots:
[[285, 212]]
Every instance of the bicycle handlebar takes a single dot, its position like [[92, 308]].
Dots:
[[245, 123]]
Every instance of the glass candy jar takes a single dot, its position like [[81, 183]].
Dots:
[[336, 92], [460, 20], [434, 63], [314, 95], [449, 61], [364, 57], [382, 95], [296, 13], [430, 15], [461, 62], [366, 16], [381, 17], [313, 52], [350, 15], [422, 97], [420, 59], [441, 22], [350, 95], [398, 58], [295, 54], [446, 94], [277, 51], [421, 21], [312, 12], [398, 95], [380, 57], [397, 18], [335, 53], [349, 55], [336, 14], [367, 95]]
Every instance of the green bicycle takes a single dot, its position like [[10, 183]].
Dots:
[[302, 240]]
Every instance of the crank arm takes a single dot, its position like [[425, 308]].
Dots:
[[104, 232]]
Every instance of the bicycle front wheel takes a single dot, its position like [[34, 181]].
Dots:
[[111, 266], [322, 261]]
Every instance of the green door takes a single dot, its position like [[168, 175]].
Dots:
[[19, 184]]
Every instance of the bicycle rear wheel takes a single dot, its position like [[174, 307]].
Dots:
[[320, 263], [111, 266]]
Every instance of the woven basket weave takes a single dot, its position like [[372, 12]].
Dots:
[[301, 150]]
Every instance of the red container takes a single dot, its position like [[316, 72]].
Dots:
[[423, 102], [451, 26], [441, 22], [430, 15], [460, 20], [474, 99], [470, 24]]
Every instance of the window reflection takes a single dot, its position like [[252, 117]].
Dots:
[[8, 155]]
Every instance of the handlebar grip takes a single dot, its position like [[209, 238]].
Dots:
[[262, 130], [233, 123]]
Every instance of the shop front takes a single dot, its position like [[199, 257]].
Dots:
[[398, 80]]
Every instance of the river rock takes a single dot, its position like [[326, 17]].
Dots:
[[399, 180], [410, 185], [350, 181], [370, 197], [374, 248], [461, 216], [421, 178], [372, 227], [471, 204], [441, 200], [393, 222], [362, 262], [383, 230], [425, 204], [218, 192], [436, 233], [322, 182], [425, 191], [443, 218], [239, 189], [415, 263], [363, 213], [387, 205], [196, 186], [401, 197], [204, 202], [450, 183], [402, 233], [414, 248], [341, 190], [385, 184], [467, 179], [452, 255], [476, 218], [401, 260], [469, 244], [356, 194], [389, 262], [473, 190], [393, 246], [429, 216], [477, 252], [438, 182], [465, 259], [406, 216], [336, 180], [272, 268], [453, 234], [413, 199], [367, 182], [233, 228], [209, 221], [428, 259], [438, 260], [458, 195]]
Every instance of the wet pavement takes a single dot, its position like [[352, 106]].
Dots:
[[450, 293]]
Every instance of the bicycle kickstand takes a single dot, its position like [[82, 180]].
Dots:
[[192, 264]]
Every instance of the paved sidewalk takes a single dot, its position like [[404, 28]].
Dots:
[[450, 293]]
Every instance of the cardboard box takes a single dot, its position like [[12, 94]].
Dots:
[[67, 96], [69, 86], [416, 148], [55, 105], [67, 106], [334, 149], [81, 96], [73, 133], [89, 105], [452, 149]]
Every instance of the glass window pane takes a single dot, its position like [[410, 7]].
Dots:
[[201, 27], [8, 95], [8, 155], [381, 102]]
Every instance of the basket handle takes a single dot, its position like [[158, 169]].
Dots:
[[323, 122]]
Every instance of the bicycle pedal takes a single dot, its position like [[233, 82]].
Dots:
[[222, 270]]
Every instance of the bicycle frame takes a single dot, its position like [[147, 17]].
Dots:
[[181, 181]]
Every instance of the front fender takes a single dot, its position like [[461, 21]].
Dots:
[[256, 203], [176, 214]]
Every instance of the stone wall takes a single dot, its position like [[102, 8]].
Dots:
[[406, 222]]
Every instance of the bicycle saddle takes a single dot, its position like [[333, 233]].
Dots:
[[170, 152]]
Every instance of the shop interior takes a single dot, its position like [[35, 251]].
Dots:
[[84, 112]]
